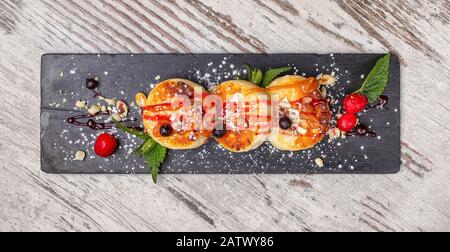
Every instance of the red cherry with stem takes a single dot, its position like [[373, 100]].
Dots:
[[355, 103], [105, 145], [346, 122]]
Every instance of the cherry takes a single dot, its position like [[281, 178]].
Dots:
[[105, 145], [355, 103], [347, 122]]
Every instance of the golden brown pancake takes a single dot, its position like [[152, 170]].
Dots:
[[251, 132], [301, 101], [160, 109]]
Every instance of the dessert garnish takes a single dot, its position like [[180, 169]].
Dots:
[[122, 109], [165, 130], [347, 122], [382, 102], [377, 80], [355, 103], [94, 109], [79, 156], [154, 153], [105, 145], [370, 92], [79, 121], [256, 76], [91, 83], [319, 162], [81, 104], [285, 122], [219, 133], [362, 130]]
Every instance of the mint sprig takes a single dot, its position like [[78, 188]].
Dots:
[[155, 158], [377, 80], [256, 76], [154, 153], [272, 74], [137, 133]]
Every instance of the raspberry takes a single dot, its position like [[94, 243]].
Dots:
[[347, 122], [355, 103]]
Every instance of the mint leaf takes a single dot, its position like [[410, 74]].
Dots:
[[249, 72], [272, 74], [137, 133], [154, 153], [155, 157], [377, 80], [254, 74], [257, 76], [146, 147]]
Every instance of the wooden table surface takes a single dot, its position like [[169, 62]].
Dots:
[[416, 199]]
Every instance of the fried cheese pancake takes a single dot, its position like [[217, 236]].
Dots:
[[302, 105], [170, 123], [246, 115]]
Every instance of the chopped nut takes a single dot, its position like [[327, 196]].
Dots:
[[79, 156], [111, 102], [294, 114], [94, 109], [323, 91], [319, 162], [334, 133], [301, 130], [327, 79], [122, 109], [307, 100], [80, 104], [285, 103], [116, 117]]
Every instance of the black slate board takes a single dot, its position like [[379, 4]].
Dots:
[[123, 75]]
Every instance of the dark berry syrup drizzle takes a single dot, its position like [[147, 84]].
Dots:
[[381, 103], [77, 120], [362, 130], [91, 123]]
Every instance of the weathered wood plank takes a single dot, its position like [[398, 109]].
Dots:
[[416, 199]]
